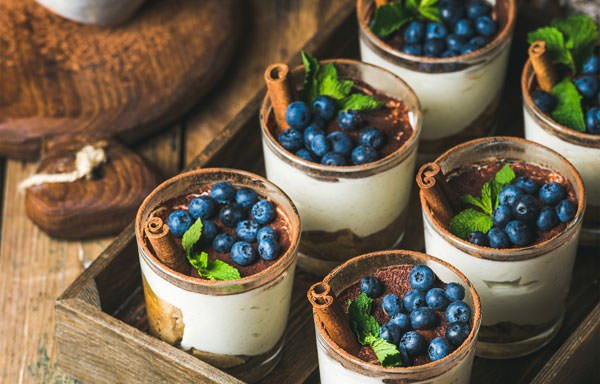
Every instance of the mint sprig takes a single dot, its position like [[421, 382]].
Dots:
[[366, 328], [390, 17], [568, 110]]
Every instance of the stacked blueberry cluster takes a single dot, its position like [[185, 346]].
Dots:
[[524, 209], [234, 208], [466, 27], [588, 86], [307, 138], [422, 308]]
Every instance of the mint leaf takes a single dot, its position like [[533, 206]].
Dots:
[[429, 10], [191, 236], [485, 202], [361, 321], [505, 175], [581, 33], [470, 220], [220, 270], [389, 18], [198, 261], [330, 85], [360, 102], [310, 87], [470, 199], [555, 44], [386, 352], [568, 110]]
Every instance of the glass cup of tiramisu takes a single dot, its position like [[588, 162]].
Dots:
[[453, 53], [508, 213], [217, 249], [395, 316], [345, 153]]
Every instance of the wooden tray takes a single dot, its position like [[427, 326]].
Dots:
[[101, 322]]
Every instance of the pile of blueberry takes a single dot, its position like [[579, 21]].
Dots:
[[420, 309], [466, 27], [524, 209], [307, 138], [235, 208], [588, 86]]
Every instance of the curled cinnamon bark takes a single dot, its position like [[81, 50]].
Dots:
[[430, 180], [280, 91], [331, 315], [164, 246], [542, 65]]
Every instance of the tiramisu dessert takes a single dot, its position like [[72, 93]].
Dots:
[[396, 320], [217, 252], [453, 53], [507, 212], [561, 93], [337, 137]]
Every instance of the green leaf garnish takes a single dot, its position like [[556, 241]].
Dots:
[[191, 236], [388, 18], [555, 45], [470, 220], [359, 102], [568, 110], [485, 201], [505, 175], [220, 270], [330, 85], [386, 352], [310, 88], [429, 10], [198, 260]]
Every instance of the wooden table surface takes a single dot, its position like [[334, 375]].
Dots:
[[37, 269]]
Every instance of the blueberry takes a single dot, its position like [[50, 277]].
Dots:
[[434, 47], [310, 132], [551, 193], [291, 139], [333, 159], [371, 137], [565, 210], [414, 299], [468, 48], [454, 292], [348, 120], [527, 184], [526, 208], [455, 42], [320, 145], [509, 194], [592, 120], [478, 238], [587, 86], [390, 332], [364, 154], [179, 221], [478, 41], [485, 26], [340, 143], [436, 31], [222, 242], [246, 230], [545, 101], [547, 219], [243, 253], [519, 233], [421, 277], [267, 232], [268, 249], [406, 359], [452, 13], [458, 311], [497, 238], [413, 342], [413, 49], [502, 215], [591, 65], [306, 155], [401, 320], [297, 115], [457, 333], [371, 286], [414, 33], [477, 9], [423, 318], [263, 212], [209, 231], [438, 349], [203, 207], [223, 192], [436, 299], [464, 28], [246, 197], [324, 107], [391, 304], [231, 214]]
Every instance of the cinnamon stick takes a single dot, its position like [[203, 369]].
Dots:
[[331, 315], [542, 65], [164, 245], [430, 180], [279, 90], [379, 3]]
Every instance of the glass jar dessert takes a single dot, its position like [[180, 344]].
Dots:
[[217, 249], [459, 89], [345, 201], [428, 310], [518, 241]]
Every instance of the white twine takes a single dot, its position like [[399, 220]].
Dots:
[[86, 160]]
